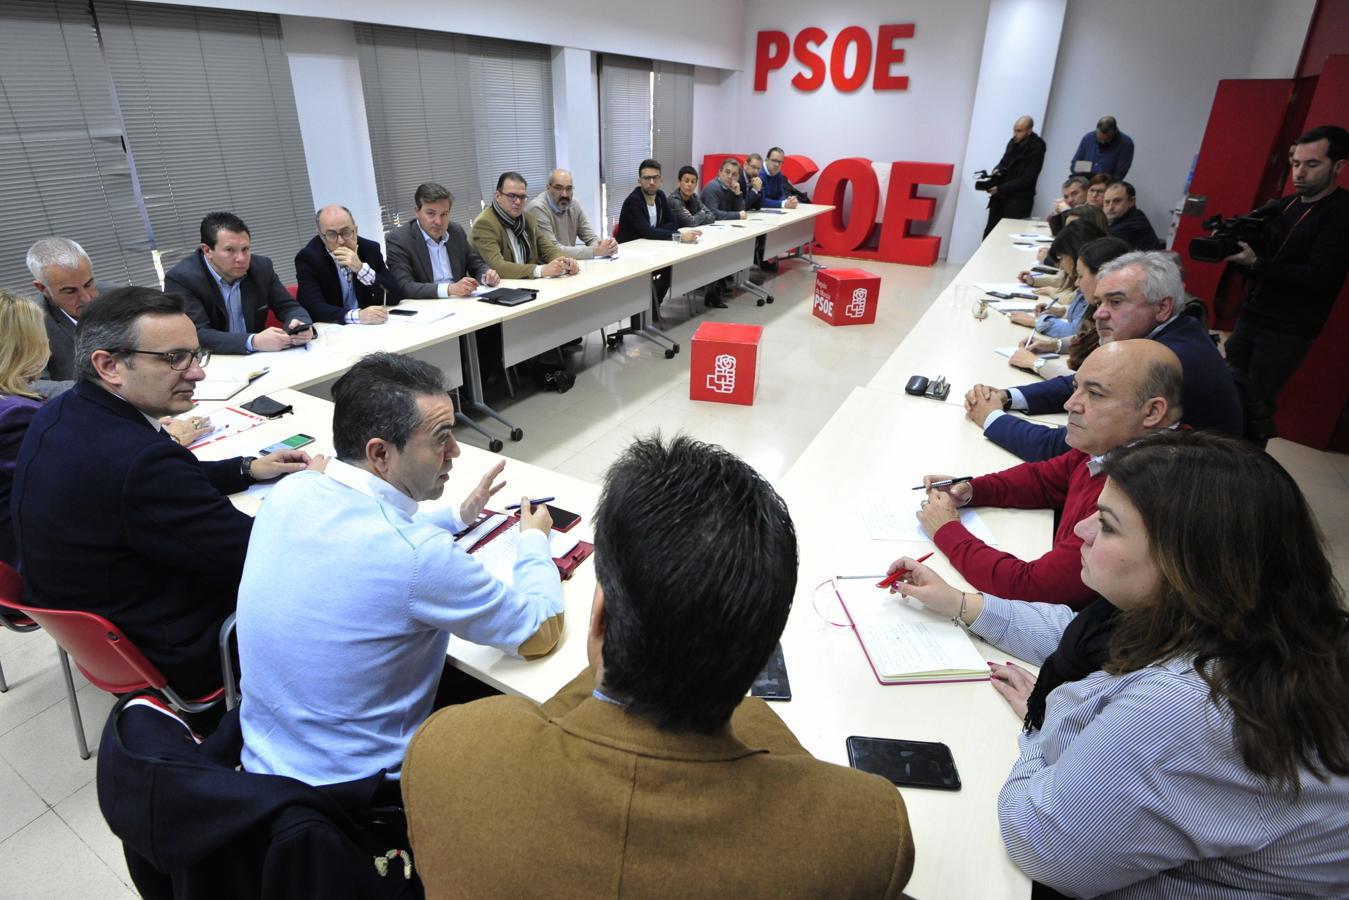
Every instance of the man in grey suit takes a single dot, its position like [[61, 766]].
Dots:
[[64, 276], [431, 256], [229, 290]]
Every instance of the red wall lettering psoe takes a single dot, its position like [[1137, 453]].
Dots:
[[773, 49]]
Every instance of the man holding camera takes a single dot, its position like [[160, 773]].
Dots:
[[1011, 184], [1298, 273]]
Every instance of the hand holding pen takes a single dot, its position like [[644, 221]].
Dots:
[[898, 571]]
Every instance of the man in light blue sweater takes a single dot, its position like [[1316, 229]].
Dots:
[[350, 594]]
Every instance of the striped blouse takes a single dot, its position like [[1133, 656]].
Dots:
[[1135, 788]]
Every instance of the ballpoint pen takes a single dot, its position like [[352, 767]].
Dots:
[[535, 502], [893, 578], [941, 484]]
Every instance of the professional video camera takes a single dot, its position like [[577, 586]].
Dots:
[[983, 180], [1253, 228]]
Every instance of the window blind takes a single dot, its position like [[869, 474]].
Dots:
[[454, 109], [625, 127], [63, 169], [672, 116], [209, 113]]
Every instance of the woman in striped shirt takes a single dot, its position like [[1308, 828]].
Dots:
[[1189, 732]]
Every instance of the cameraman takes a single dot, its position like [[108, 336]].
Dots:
[[1011, 187], [1298, 273]]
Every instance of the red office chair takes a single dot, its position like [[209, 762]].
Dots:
[[10, 589], [107, 657]]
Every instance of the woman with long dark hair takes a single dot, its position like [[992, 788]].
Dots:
[[1188, 735]]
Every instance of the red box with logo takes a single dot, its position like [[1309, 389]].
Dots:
[[846, 296], [724, 363]]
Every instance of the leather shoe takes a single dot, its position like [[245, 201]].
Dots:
[[769, 265]]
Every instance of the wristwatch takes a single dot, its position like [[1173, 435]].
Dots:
[[246, 468], [1038, 364]]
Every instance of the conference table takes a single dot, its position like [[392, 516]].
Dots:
[[879, 442]]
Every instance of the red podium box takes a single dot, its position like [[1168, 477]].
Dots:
[[846, 296], [724, 364]]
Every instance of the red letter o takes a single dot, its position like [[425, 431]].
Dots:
[[839, 58]]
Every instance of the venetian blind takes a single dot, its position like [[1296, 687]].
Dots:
[[625, 127]]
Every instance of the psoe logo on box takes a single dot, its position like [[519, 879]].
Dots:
[[823, 303], [722, 379], [858, 307]]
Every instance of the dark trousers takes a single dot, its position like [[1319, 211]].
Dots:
[[1017, 206], [1262, 361]]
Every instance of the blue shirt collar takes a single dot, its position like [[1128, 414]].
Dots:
[[219, 279], [430, 241], [370, 484]]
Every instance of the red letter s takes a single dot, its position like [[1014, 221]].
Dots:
[[806, 56]]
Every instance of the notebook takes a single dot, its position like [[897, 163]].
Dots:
[[904, 643], [494, 538]]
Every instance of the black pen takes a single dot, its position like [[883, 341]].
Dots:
[[533, 502], [941, 484]]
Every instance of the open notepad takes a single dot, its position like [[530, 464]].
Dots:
[[905, 644]]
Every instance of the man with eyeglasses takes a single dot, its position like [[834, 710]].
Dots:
[[229, 292], [646, 214], [511, 242], [113, 517], [342, 277], [558, 216]]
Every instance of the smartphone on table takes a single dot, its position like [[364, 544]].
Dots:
[[906, 763], [294, 442]]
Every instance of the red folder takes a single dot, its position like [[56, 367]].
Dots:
[[565, 564]]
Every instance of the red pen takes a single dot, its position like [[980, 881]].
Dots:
[[891, 579]]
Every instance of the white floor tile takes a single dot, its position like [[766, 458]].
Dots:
[[35, 681], [47, 859], [81, 815], [20, 805], [43, 750]]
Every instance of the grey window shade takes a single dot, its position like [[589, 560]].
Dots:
[[455, 109], [625, 127], [209, 112], [672, 115], [63, 169]]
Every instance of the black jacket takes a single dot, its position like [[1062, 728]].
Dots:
[[1135, 230], [634, 223], [320, 290], [1018, 170], [194, 827], [259, 291], [1302, 271], [113, 517]]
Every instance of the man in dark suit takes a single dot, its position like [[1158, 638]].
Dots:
[[111, 515], [1138, 295], [64, 276], [1127, 221], [341, 275], [652, 769], [646, 214], [229, 291], [431, 256]]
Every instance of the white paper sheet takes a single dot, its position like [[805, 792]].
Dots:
[[891, 518]]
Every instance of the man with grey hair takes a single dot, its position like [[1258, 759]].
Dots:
[[64, 276], [557, 215], [113, 517], [1138, 295], [341, 275]]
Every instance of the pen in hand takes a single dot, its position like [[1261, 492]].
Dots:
[[893, 578], [533, 502], [941, 484]]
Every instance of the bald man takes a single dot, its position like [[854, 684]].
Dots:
[[342, 277], [1124, 390], [1013, 190], [557, 214]]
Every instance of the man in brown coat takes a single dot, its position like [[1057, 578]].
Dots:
[[510, 242], [651, 775]]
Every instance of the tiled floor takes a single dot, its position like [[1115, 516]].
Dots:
[[51, 832]]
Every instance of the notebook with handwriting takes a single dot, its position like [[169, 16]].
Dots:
[[903, 643]]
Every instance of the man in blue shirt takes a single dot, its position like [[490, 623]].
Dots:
[[1107, 149], [350, 593]]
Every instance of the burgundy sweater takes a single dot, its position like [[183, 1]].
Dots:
[[1063, 483]]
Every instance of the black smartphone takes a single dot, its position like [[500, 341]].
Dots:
[[908, 763], [298, 328], [402, 312], [772, 683], [562, 519], [1000, 295], [1045, 270]]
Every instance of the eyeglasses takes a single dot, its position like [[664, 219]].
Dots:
[[560, 189], [345, 234], [655, 177], [178, 360], [518, 198]]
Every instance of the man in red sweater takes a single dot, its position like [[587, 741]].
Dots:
[[1124, 390]]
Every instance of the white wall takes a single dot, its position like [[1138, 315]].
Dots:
[[926, 123], [326, 77], [1155, 66], [576, 126], [1012, 83], [1282, 34], [699, 32]]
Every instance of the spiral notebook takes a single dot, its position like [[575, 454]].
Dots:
[[903, 643]]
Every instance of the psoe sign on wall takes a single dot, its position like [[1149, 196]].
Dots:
[[775, 49]]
